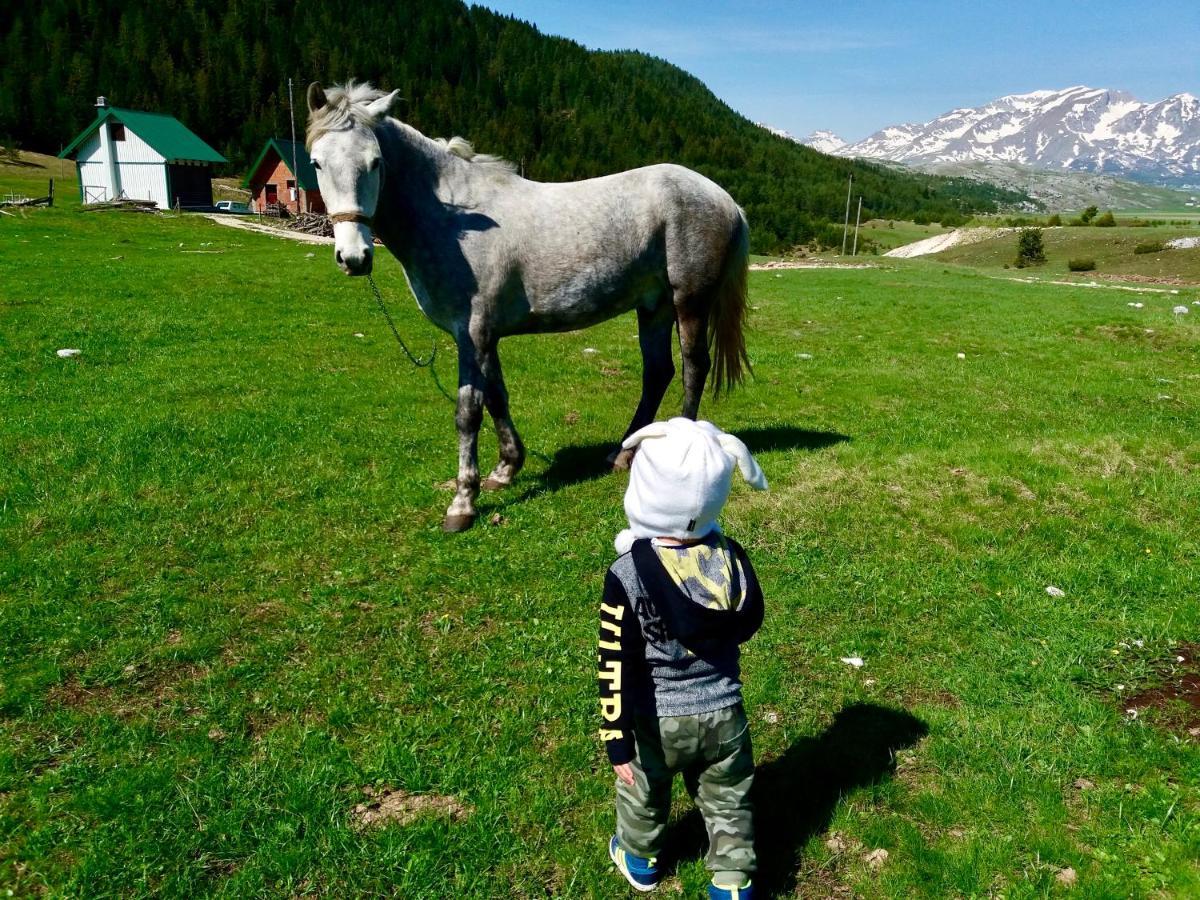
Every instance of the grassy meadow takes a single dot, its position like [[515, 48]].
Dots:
[[1112, 250], [232, 629]]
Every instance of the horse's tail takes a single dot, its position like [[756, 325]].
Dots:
[[727, 315]]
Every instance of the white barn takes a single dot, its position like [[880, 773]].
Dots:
[[137, 155]]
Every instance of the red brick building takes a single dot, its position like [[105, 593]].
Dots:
[[272, 182]]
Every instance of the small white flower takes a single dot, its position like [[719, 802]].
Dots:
[[1132, 712], [804, 356], [960, 356], [590, 350], [68, 352], [1055, 591], [1181, 310], [310, 256], [359, 334], [1120, 687], [855, 661]]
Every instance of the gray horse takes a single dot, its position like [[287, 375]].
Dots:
[[488, 254]]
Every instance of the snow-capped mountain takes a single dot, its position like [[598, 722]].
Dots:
[[825, 141], [1079, 128], [778, 132]]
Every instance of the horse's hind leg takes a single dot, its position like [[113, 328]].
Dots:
[[654, 335], [693, 350], [495, 397]]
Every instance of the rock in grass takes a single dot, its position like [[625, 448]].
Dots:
[[1055, 591], [876, 858], [855, 661], [1066, 877], [1181, 310], [68, 352]]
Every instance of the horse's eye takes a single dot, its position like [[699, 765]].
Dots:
[[316, 165], [374, 164]]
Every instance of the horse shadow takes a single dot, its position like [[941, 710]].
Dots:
[[585, 462], [795, 794]]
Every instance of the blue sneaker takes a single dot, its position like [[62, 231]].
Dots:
[[639, 871], [720, 892]]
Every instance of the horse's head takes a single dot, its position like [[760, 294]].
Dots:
[[349, 165]]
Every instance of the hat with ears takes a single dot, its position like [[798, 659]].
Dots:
[[680, 479]]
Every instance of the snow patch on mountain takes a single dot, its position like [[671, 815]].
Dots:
[[825, 141]]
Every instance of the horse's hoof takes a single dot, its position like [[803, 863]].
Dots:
[[495, 484], [622, 461], [455, 524]]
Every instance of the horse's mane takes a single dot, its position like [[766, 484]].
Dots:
[[346, 105], [462, 148]]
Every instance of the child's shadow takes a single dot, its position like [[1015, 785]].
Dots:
[[796, 793]]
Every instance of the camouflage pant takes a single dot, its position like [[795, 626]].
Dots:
[[713, 752]]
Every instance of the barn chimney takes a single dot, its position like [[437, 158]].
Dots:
[[101, 102]]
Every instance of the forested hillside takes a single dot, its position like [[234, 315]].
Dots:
[[558, 110]]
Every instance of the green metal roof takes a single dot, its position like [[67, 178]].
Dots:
[[306, 177], [166, 134]]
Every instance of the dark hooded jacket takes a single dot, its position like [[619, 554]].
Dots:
[[671, 622]]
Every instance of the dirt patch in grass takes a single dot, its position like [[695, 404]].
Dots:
[[1175, 695], [74, 695], [1142, 279], [144, 689], [395, 807]]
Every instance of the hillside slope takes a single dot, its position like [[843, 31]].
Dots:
[[556, 109]]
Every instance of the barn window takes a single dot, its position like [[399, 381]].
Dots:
[[118, 131]]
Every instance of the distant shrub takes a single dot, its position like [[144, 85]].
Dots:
[[1081, 265], [1031, 251], [1105, 221], [1088, 214], [1021, 222], [1054, 221], [953, 220], [1149, 247]]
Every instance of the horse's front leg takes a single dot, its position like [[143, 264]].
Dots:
[[495, 397], [461, 514]]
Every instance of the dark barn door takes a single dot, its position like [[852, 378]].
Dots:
[[191, 186]]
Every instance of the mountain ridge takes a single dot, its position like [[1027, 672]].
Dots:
[[1079, 128]]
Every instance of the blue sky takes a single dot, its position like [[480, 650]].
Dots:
[[854, 67]]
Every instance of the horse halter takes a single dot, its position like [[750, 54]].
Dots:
[[362, 219]]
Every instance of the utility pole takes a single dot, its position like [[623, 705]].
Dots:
[[857, 221], [292, 116], [846, 224]]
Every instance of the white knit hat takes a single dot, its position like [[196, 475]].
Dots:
[[680, 479]]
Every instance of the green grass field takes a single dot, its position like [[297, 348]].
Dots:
[[229, 613]]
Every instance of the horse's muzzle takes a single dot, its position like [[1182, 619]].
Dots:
[[357, 264]]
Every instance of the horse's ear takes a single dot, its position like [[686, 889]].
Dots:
[[316, 97], [383, 105]]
